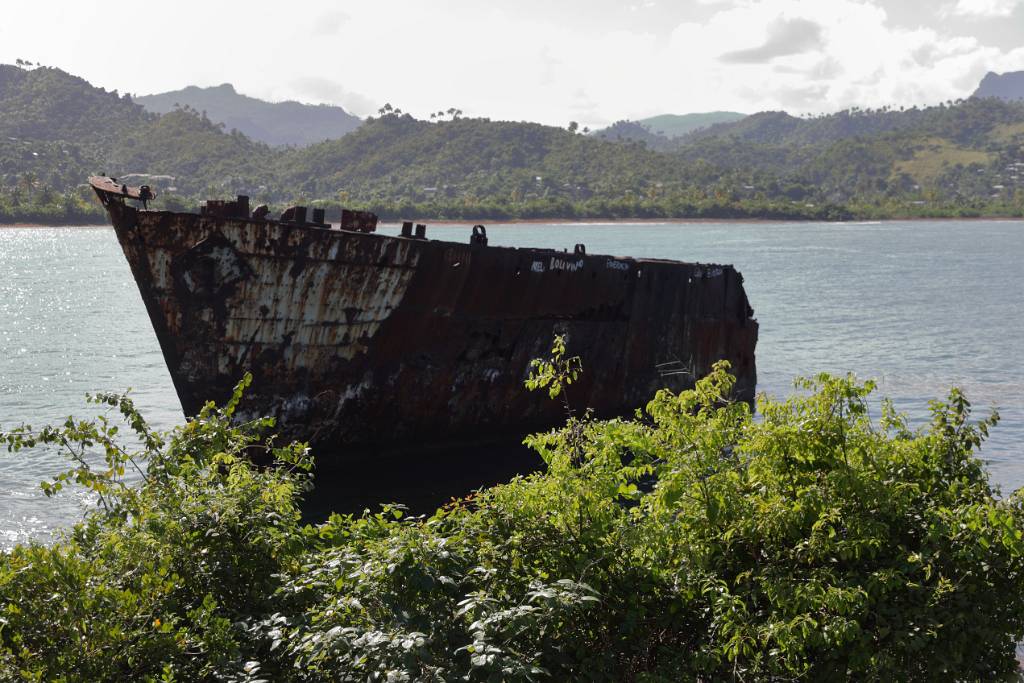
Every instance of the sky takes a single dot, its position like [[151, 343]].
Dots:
[[552, 61]]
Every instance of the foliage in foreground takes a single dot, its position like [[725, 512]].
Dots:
[[692, 542]]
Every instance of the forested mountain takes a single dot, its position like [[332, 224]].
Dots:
[[968, 118], [398, 157], [678, 125], [1008, 86], [663, 132], [965, 154], [274, 123], [967, 121], [963, 158], [49, 104], [634, 131], [196, 152], [54, 125]]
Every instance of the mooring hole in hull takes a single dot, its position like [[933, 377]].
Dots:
[[421, 480]]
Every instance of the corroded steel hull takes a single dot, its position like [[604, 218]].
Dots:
[[365, 342]]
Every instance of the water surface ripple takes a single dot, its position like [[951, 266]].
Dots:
[[918, 306]]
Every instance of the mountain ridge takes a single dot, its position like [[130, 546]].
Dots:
[[1006, 86], [663, 132], [274, 123], [678, 125], [960, 159]]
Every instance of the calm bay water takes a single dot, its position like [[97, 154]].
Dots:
[[918, 306]]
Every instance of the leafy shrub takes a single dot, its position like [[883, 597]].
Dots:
[[689, 543], [157, 580]]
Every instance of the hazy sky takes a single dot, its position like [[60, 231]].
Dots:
[[594, 61]]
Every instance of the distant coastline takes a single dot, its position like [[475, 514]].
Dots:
[[469, 222], [664, 221], [954, 160]]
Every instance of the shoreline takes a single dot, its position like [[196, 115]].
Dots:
[[469, 222], [37, 226], [673, 221]]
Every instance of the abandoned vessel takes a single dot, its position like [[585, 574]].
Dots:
[[359, 341]]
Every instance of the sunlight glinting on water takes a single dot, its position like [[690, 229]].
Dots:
[[919, 306]]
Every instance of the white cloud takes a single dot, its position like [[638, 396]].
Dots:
[[857, 58], [499, 60], [981, 8], [317, 90], [785, 37], [329, 23]]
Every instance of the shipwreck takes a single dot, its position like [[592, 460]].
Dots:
[[360, 342]]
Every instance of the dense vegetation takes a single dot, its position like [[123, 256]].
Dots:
[[678, 125], [50, 104], [955, 159], [689, 543]]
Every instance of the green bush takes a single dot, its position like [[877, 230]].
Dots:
[[157, 580], [692, 542]]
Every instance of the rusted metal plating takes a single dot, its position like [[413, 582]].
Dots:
[[109, 190], [358, 221], [363, 341]]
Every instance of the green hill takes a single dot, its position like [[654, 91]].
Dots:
[[966, 121], [56, 129], [964, 158], [274, 123], [634, 131], [398, 156], [662, 132], [50, 104], [678, 125], [200, 157]]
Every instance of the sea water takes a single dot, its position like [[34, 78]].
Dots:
[[917, 306]]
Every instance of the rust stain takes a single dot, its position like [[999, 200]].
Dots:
[[360, 340]]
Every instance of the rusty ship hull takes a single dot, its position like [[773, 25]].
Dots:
[[362, 342]]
